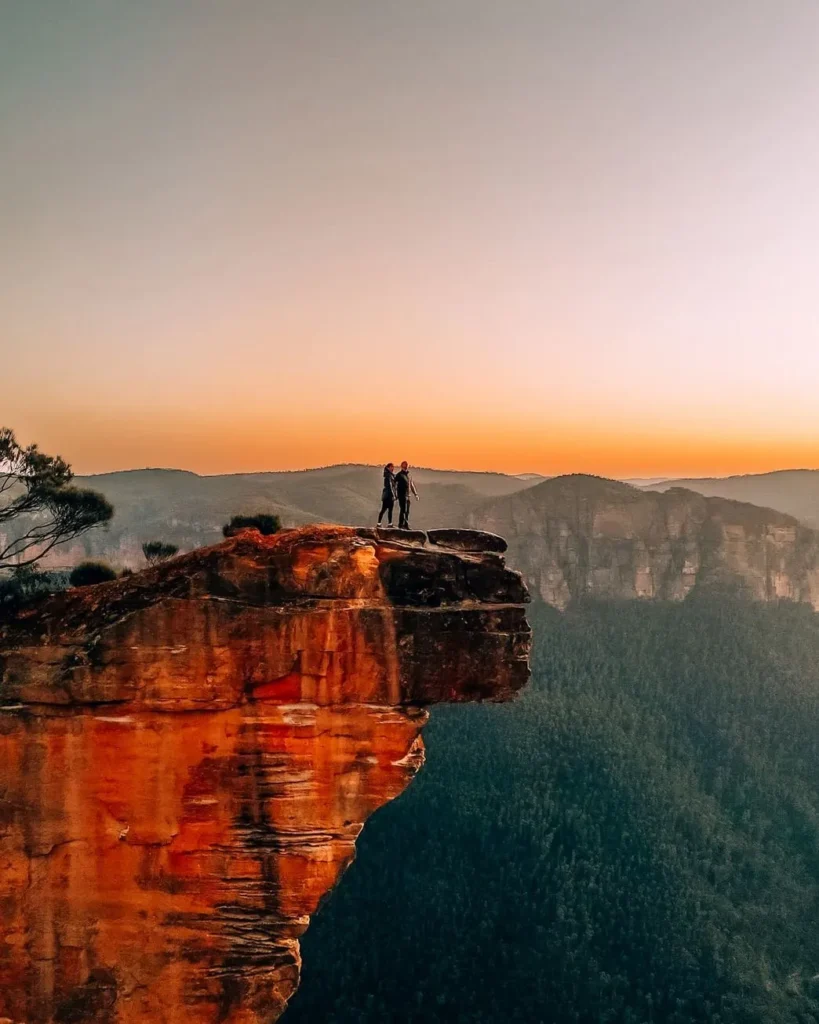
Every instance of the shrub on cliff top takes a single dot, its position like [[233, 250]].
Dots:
[[158, 550], [88, 573], [265, 522]]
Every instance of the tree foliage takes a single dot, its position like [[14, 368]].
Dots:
[[158, 551], [86, 574], [634, 841], [265, 522], [38, 506], [26, 584]]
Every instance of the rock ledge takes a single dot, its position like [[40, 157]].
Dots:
[[187, 756]]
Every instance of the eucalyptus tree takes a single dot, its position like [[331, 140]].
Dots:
[[39, 506]]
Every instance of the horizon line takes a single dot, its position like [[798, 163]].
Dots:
[[656, 478]]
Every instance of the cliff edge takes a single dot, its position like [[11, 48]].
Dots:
[[187, 756]]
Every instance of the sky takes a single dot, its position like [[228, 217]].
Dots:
[[529, 236]]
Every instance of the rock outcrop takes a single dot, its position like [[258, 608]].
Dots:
[[580, 535], [188, 755]]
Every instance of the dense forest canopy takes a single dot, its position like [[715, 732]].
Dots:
[[635, 840]]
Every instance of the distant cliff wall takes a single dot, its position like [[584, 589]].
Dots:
[[579, 535]]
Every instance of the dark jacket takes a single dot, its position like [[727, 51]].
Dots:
[[403, 484], [388, 492]]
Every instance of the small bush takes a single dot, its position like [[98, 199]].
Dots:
[[265, 522], [87, 573], [158, 551]]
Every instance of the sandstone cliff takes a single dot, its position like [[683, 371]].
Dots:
[[187, 757], [578, 535]]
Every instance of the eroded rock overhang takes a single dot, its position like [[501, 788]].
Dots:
[[187, 756], [327, 615]]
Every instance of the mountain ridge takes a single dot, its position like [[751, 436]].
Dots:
[[189, 509], [581, 535], [795, 491]]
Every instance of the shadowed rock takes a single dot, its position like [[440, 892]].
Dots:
[[187, 757]]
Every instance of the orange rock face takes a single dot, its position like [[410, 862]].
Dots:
[[187, 757]]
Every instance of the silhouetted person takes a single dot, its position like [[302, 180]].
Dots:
[[388, 494], [404, 487]]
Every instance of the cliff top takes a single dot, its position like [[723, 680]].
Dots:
[[242, 611], [310, 562]]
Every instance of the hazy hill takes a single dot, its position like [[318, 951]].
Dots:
[[189, 510], [795, 491], [578, 535]]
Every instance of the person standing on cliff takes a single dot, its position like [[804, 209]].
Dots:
[[404, 487], [388, 494]]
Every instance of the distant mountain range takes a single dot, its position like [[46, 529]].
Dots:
[[570, 535], [578, 535], [795, 491], [189, 510]]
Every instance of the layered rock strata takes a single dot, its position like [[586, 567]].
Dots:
[[188, 755]]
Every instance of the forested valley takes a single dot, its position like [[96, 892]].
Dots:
[[635, 840]]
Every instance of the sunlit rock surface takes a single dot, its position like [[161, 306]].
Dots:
[[188, 755]]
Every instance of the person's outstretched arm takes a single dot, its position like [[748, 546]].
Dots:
[[412, 488]]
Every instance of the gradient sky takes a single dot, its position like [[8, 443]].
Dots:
[[528, 236]]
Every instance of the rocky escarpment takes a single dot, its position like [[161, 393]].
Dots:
[[187, 757], [578, 535]]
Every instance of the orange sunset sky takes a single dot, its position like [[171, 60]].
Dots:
[[524, 236]]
